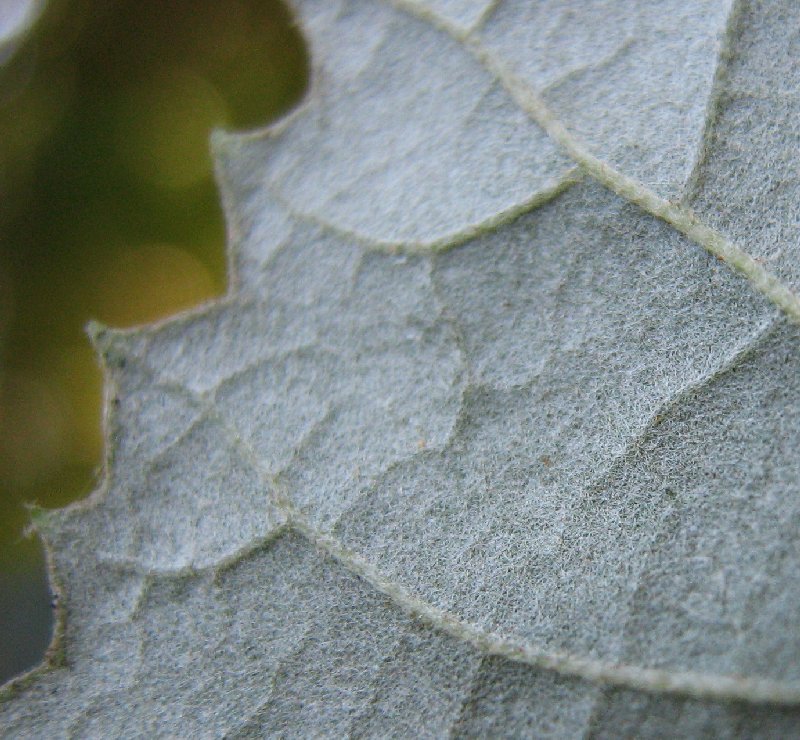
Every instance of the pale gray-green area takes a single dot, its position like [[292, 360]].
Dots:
[[474, 446], [631, 80], [748, 182], [464, 14]]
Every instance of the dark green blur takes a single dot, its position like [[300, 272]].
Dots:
[[108, 210]]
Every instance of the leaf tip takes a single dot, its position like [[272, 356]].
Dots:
[[96, 332], [109, 343], [42, 522], [39, 516], [221, 142]]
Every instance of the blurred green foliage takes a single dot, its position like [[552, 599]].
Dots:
[[108, 210]]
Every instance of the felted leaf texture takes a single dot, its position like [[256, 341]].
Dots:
[[496, 431]]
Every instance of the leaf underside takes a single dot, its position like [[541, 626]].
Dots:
[[496, 430]]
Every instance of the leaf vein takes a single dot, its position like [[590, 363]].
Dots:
[[679, 217]]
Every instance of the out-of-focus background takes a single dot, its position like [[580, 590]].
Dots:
[[108, 210]]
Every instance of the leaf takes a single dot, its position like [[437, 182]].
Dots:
[[487, 438]]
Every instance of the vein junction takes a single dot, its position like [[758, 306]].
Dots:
[[688, 684], [680, 218]]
